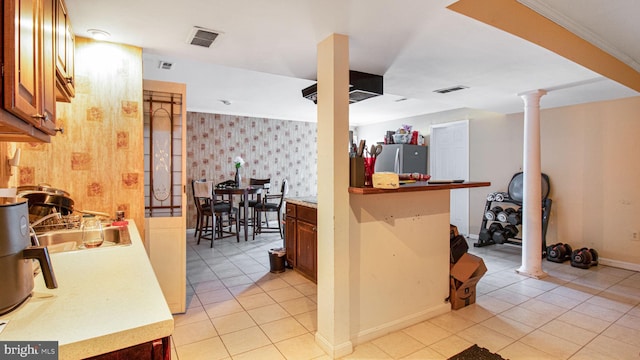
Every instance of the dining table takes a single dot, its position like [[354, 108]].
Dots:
[[244, 192]]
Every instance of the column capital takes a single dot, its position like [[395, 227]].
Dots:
[[533, 94]]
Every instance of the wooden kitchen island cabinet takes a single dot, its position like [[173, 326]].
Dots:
[[301, 237]]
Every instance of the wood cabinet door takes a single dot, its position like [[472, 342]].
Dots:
[[48, 83], [21, 59], [153, 350], [290, 240], [306, 252], [64, 53]]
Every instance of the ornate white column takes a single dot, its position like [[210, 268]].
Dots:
[[532, 188]]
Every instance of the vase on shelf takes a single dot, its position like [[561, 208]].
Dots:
[[237, 178]]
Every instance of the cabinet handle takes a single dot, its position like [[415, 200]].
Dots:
[[41, 117], [315, 229], [60, 130], [69, 80]]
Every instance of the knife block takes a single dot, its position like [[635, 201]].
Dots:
[[356, 171]]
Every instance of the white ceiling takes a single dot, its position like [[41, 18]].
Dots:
[[267, 53]]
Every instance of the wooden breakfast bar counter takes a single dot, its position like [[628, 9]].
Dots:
[[399, 256], [418, 186]]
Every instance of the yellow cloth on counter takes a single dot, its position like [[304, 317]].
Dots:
[[385, 180], [203, 189]]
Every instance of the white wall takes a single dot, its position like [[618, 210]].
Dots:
[[375, 132], [590, 153]]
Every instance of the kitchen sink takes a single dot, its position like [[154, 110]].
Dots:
[[71, 240]]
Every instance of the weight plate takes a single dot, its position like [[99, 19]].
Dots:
[[516, 185], [568, 249]]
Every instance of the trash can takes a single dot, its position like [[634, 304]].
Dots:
[[277, 259]]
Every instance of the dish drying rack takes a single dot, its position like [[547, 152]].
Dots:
[[54, 222], [57, 221]]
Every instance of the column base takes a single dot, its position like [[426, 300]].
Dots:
[[333, 351], [536, 274]]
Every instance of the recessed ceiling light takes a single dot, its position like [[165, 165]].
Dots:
[[99, 34]]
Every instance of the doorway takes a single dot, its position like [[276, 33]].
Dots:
[[449, 159]]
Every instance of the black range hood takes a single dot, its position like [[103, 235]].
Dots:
[[362, 86]]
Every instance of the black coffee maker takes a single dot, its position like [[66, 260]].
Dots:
[[16, 254]]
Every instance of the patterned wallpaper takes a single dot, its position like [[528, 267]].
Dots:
[[98, 159], [276, 149]]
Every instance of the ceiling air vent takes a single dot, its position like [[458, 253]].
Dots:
[[202, 37], [450, 89]]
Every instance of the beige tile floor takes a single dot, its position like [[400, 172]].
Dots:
[[237, 309]]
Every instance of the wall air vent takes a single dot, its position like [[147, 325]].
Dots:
[[202, 37], [362, 86], [450, 89], [165, 65]]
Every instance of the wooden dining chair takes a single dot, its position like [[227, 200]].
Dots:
[[216, 217], [267, 206], [199, 206], [254, 198], [227, 216]]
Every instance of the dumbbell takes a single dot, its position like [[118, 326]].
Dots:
[[501, 236], [515, 218], [487, 233], [503, 215], [492, 214], [559, 252], [500, 196], [491, 196], [584, 258]]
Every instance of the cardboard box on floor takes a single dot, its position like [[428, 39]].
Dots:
[[465, 274]]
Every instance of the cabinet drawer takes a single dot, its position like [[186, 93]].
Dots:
[[291, 210], [307, 214]]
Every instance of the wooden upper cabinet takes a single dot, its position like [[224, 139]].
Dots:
[[22, 95], [64, 54], [29, 87], [48, 72]]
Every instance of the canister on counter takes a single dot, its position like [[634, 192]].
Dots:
[[120, 215]]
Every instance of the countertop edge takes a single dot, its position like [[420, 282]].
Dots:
[[306, 201], [418, 186], [125, 308]]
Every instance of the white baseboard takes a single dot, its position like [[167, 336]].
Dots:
[[334, 351], [398, 324], [619, 264]]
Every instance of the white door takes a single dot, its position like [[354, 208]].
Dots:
[[165, 185], [449, 159]]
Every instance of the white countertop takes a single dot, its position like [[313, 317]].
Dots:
[[107, 299]]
